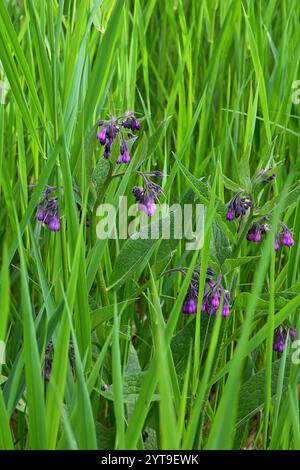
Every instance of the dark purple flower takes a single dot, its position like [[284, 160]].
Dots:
[[189, 305], [254, 233], [124, 156], [238, 207], [280, 336], [225, 310], [54, 224], [130, 122], [230, 214], [292, 334], [40, 214], [146, 196], [107, 148], [215, 301], [211, 299], [47, 218], [102, 136], [47, 211], [213, 292], [107, 135], [148, 206], [286, 237], [113, 127]]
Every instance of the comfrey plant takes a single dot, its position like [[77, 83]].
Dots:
[[124, 126], [280, 337], [214, 295], [284, 237], [239, 207], [257, 230], [47, 210], [148, 194], [113, 127]]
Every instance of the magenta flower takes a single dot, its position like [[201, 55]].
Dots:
[[213, 292], [111, 129], [47, 211], [238, 207], [146, 196], [280, 337]]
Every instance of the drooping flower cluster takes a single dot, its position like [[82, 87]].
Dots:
[[116, 126], [284, 237], [254, 234], [124, 156], [190, 303], [130, 122], [214, 294], [49, 359], [280, 337], [147, 195], [256, 231], [47, 211], [238, 207]]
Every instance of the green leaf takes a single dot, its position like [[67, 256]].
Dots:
[[240, 302], [203, 191], [181, 341], [132, 384], [106, 313], [105, 437], [167, 246], [290, 198], [87, 154], [232, 263], [231, 185], [133, 365], [151, 439], [136, 251], [252, 393], [220, 245], [101, 176]]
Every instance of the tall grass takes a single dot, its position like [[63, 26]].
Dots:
[[211, 83]]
